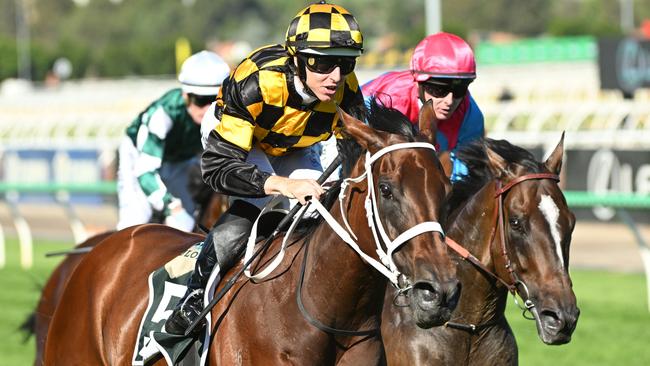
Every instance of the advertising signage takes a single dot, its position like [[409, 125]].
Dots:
[[624, 63], [606, 170]]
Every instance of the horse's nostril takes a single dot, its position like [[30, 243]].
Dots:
[[426, 291], [551, 320], [446, 294]]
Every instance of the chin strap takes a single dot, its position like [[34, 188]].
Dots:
[[301, 71]]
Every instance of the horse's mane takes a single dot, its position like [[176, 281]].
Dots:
[[389, 120], [377, 116], [474, 156]]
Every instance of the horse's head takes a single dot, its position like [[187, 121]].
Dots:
[[407, 190], [535, 237]]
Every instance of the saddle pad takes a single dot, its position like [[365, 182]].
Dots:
[[166, 287]]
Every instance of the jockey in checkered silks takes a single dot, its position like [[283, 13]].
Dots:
[[268, 119]]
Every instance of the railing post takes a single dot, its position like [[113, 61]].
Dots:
[[22, 228], [76, 226]]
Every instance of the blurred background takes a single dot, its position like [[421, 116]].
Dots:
[[75, 73]]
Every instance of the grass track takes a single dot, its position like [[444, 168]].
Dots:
[[614, 327]]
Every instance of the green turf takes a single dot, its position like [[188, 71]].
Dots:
[[19, 292], [614, 326]]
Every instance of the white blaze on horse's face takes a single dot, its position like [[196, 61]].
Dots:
[[551, 212]]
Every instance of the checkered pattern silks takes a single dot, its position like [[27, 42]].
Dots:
[[323, 26], [259, 103]]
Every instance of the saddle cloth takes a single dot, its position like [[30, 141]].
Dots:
[[166, 287]]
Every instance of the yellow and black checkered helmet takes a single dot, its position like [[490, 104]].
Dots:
[[320, 27]]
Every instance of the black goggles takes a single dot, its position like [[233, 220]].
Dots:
[[202, 100], [442, 90], [327, 64]]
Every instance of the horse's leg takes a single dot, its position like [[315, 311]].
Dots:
[[366, 352]]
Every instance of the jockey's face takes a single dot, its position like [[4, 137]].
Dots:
[[197, 105], [446, 97], [325, 74]]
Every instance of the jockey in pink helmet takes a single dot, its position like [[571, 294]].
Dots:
[[442, 67]]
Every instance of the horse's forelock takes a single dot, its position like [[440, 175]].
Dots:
[[474, 156], [389, 120]]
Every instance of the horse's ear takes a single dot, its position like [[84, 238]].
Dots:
[[498, 165], [428, 122], [365, 135], [554, 161]]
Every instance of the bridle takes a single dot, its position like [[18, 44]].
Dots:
[[514, 283], [385, 265]]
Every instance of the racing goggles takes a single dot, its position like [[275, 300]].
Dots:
[[438, 90], [327, 64], [202, 100]]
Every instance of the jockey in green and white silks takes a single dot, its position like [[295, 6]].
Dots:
[[163, 142]]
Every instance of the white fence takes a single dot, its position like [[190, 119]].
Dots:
[[547, 99]]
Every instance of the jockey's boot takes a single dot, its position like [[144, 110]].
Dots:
[[223, 245]]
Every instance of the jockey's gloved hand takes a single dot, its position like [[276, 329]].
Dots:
[[178, 218]]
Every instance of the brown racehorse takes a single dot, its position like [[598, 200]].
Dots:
[[260, 323], [39, 321], [525, 245]]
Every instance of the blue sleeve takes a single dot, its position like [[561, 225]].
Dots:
[[366, 101], [458, 169], [472, 128]]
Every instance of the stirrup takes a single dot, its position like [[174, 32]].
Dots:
[[186, 313]]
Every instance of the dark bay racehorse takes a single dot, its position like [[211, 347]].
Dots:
[[510, 213], [210, 207], [260, 323]]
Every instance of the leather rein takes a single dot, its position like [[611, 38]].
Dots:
[[499, 224]]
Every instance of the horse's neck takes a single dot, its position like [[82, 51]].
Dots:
[[481, 300], [346, 289]]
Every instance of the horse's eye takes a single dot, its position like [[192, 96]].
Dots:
[[385, 190], [515, 223]]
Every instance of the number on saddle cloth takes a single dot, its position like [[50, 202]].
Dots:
[[166, 287]]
